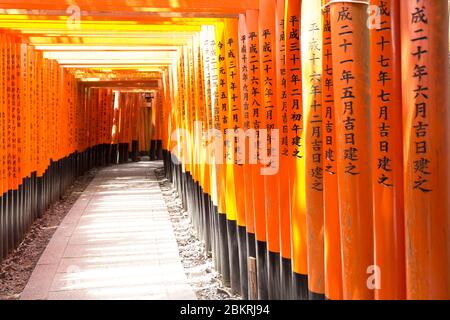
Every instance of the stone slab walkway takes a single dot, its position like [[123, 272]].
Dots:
[[116, 242]]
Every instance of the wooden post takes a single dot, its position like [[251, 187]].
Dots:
[[387, 159], [312, 123], [350, 44], [331, 225], [425, 92], [252, 279]]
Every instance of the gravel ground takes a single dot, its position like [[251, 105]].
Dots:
[[16, 269], [198, 265]]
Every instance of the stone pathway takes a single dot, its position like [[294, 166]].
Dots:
[[116, 242]]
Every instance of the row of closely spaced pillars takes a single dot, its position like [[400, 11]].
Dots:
[[355, 204], [310, 136], [54, 128]]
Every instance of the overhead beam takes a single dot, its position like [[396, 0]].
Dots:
[[228, 6]]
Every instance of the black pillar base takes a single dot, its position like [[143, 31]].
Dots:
[[261, 270], [315, 296], [224, 256], [233, 252], [299, 286], [286, 279], [274, 277], [243, 257], [3, 227]]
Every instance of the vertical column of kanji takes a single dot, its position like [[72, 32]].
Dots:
[[425, 76], [387, 160], [21, 60], [70, 96], [244, 81], [283, 126], [312, 123], [75, 102], [17, 140], [46, 124], [12, 145], [63, 142], [296, 148], [37, 129], [217, 143], [32, 94], [52, 128], [44, 88], [26, 87], [67, 100], [233, 153], [61, 124], [196, 128], [175, 138], [185, 116], [3, 184], [247, 248], [268, 147], [39, 150], [256, 121], [8, 127], [221, 115], [350, 44], [191, 115], [205, 83], [203, 103], [332, 238], [9, 211]]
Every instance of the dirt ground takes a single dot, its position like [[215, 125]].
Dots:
[[198, 266], [16, 269]]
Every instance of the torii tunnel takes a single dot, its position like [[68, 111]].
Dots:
[[309, 140]]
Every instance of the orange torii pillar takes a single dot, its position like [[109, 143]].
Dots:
[[270, 153], [221, 116], [425, 93], [235, 207], [214, 125], [3, 238], [331, 229], [387, 159], [350, 44], [296, 149], [283, 126], [257, 122], [312, 123], [248, 247]]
